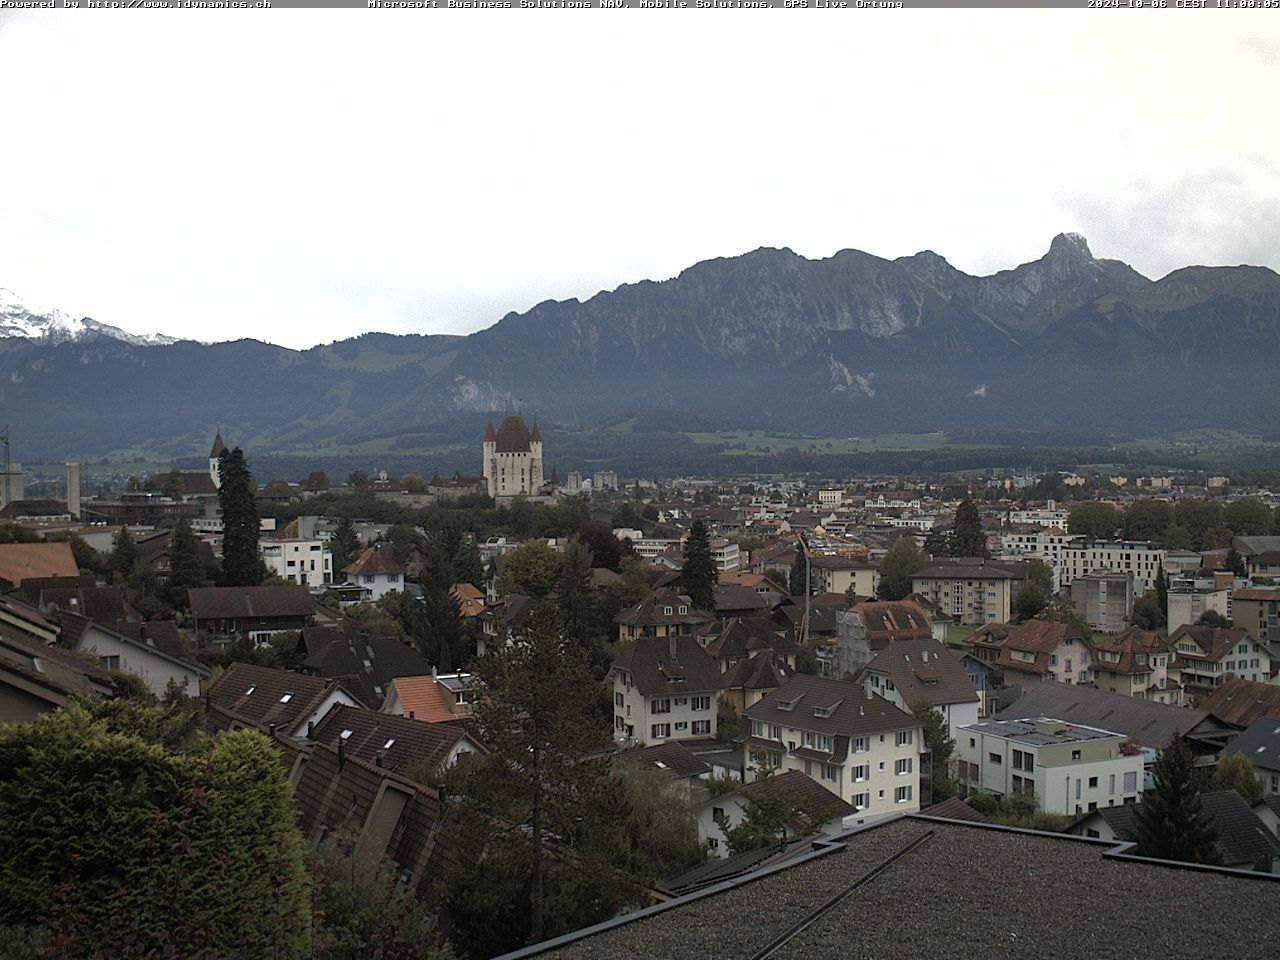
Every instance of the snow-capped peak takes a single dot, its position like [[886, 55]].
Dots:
[[53, 326]]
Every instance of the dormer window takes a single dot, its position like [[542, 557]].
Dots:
[[683, 608], [667, 611]]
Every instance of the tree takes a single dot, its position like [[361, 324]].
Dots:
[[806, 661], [605, 549], [937, 740], [130, 834], [797, 580], [526, 821], [1147, 520], [1037, 592], [1235, 563], [1199, 516], [1234, 772], [344, 544], [1094, 519], [186, 569], [1178, 537], [1248, 518], [1171, 822], [699, 575], [124, 557], [1212, 618], [1063, 610], [897, 568], [1147, 612], [576, 602], [237, 496], [967, 536], [530, 569], [768, 811], [464, 565]]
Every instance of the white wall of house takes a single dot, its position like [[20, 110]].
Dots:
[[155, 669], [378, 584], [306, 562], [649, 720], [957, 715]]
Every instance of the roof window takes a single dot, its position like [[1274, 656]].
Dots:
[[251, 689], [345, 735], [389, 744], [286, 698]]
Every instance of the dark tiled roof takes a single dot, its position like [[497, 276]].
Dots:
[[1260, 744], [761, 672], [655, 672], [652, 611], [742, 636], [74, 627], [162, 634], [731, 596], [250, 603], [966, 571], [672, 758], [99, 604], [1240, 702], [313, 639], [372, 561], [955, 809], [1151, 724], [403, 744], [256, 696], [1128, 645], [1216, 642], [366, 666], [513, 436], [925, 670], [831, 707], [815, 804], [58, 671]]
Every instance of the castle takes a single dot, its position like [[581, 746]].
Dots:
[[513, 459]]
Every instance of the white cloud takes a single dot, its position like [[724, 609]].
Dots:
[[331, 172]]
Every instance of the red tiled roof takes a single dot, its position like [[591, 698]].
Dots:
[[1240, 702], [425, 698], [1129, 644], [18, 561], [373, 561]]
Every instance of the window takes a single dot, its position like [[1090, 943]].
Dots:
[[861, 800], [713, 843], [1093, 783], [1075, 754], [860, 745], [661, 704], [109, 663], [717, 813], [861, 772], [830, 772], [1130, 782], [660, 730], [368, 578], [617, 699], [902, 795], [701, 728], [700, 703], [972, 743], [682, 724], [902, 766], [904, 737], [995, 758]]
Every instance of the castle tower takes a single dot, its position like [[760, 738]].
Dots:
[[217, 450], [489, 466], [535, 466]]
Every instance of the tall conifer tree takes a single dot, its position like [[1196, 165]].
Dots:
[[241, 565], [699, 576]]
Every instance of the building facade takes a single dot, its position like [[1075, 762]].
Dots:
[[1104, 598], [305, 562], [512, 459], [1140, 558]]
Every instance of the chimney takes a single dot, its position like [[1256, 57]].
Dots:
[[671, 645], [311, 729], [271, 730], [411, 716], [377, 758], [342, 753]]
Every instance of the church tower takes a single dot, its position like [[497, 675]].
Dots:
[[215, 474]]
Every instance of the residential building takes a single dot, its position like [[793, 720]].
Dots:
[[376, 571], [157, 668], [664, 688], [888, 621], [1039, 650], [1138, 663], [432, 698], [839, 574], [862, 748], [908, 672], [1258, 611], [512, 459], [502, 621], [394, 742], [1241, 838], [1260, 745], [744, 685], [1104, 599], [272, 701], [660, 614], [973, 593], [366, 661], [675, 761], [1209, 655], [737, 639], [1149, 723], [1261, 555], [36, 677], [817, 811], [1140, 558], [469, 598], [222, 614], [1191, 596], [1240, 703], [1067, 768], [725, 554], [305, 562], [20, 561]]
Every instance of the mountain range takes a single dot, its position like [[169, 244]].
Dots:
[[853, 344]]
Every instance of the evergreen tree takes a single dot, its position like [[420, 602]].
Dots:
[[699, 576], [574, 598], [1170, 821], [186, 569], [967, 536], [937, 740], [344, 545], [897, 568], [796, 580], [125, 556], [1235, 562], [465, 564], [241, 565]]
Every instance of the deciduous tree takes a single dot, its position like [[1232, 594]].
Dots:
[[897, 568]]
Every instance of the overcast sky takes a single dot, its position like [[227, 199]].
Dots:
[[303, 176]]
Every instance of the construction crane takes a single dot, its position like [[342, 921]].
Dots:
[[4, 493]]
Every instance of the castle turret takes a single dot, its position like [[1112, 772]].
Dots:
[[488, 467], [216, 451]]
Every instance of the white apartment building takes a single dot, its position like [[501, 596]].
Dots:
[[830, 498], [1189, 598], [726, 555], [1139, 557], [664, 688], [861, 748], [305, 562], [1052, 516], [1067, 768]]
